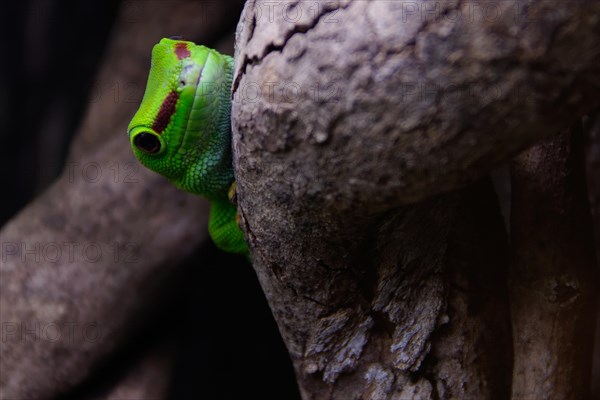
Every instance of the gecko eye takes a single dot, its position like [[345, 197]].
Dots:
[[147, 142]]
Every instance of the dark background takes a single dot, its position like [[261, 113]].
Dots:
[[50, 55]]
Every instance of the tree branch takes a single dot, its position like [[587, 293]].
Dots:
[[439, 97], [346, 114], [554, 277]]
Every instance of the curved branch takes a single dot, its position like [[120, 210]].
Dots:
[[438, 93], [347, 113]]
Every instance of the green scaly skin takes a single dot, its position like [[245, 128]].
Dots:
[[182, 130]]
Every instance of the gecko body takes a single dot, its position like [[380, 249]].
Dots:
[[182, 130]]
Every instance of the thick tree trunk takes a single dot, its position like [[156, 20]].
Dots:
[[344, 113], [554, 277]]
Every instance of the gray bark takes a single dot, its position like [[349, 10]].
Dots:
[[348, 114], [554, 275]]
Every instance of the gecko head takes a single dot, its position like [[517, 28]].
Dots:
[[171, 131]]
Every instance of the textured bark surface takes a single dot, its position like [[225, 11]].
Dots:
[[70, 284], [82, 261], [592, 146], [348, 111], [554, 276], [351, 87]]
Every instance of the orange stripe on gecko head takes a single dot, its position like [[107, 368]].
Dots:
[[182, 51]]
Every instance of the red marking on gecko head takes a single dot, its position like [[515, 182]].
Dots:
[[182, 51], [167, 109]]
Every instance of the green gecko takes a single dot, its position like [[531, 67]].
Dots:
[[182, 130]]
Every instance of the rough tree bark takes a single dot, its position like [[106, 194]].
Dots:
[[347, 113], [554, 277]]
